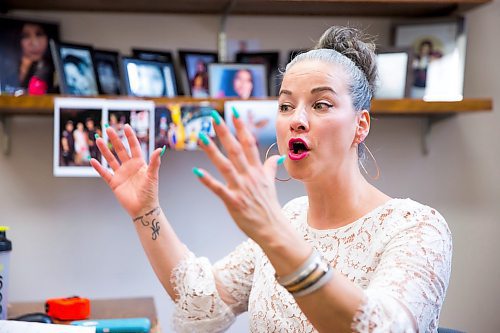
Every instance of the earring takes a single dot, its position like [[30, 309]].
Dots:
[[374, 160], [267, 153]]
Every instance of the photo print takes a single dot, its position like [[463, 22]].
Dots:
[[241, 81]]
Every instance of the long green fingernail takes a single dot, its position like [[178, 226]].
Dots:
[[281, 160], [204, 138], [106, 125], [198, 172], [216, 117], [163, 150], [236, 114], [96, 136]]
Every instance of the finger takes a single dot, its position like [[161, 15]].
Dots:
[[271, 165], [155, 162], [117, 144], [229, 142], [133, 142], [214, 185], [107, 154], [105, 174], [221, 162], [247, 139]]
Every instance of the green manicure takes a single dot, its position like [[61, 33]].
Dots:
[[281, 160], [96, 136], [106, 125], [216, 117], [198, 172], [236, 114], [204, 138], [163, 150]]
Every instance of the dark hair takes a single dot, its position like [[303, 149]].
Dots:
[[80, 64]]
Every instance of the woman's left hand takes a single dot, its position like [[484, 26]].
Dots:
[[249, 193]]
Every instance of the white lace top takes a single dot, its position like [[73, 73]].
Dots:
[[399, 254]]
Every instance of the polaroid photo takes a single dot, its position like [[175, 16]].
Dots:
[[242, 81], [258, 116], [268, 59], [195, 66], [178, 125], [139, 115], [146, 78], [107, 65], [75, 69], [26, 60], [76, 123]]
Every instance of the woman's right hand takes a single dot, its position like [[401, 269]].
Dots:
[[134, 183]]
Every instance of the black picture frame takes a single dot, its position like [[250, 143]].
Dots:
[[189, 60], [153, 55], [395, 75], [16, 50], [75, 69], [109, 73], [142, 77], [270, 59]]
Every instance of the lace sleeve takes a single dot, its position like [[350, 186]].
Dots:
[[199, 307], [409, 284]]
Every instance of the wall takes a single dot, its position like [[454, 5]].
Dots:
[[71, 237]]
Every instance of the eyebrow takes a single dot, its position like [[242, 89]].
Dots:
[[313, 91], [285, 92]]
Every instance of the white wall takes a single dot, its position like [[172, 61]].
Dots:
[[71, 237]]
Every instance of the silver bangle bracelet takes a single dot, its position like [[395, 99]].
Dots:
[[302, 272], [316, 285]]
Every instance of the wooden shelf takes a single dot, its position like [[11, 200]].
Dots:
[[407, 8], [44, 105]]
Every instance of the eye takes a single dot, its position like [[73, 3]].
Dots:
[[322, 106], [285, 107]]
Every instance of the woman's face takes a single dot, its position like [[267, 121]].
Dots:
[[75, 79], [34, 41], [316, 112], [243, 84]]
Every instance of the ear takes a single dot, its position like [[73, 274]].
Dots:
[[363, 127]]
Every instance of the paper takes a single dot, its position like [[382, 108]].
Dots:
[[10, 326]]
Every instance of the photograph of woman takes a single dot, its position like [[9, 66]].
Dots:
[[374, 263], [79, 75]]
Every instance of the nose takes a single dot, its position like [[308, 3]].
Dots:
[[299, 122]]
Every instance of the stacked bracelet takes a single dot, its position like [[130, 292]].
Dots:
[[310, 276]]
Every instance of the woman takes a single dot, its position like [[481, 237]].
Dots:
[[345, 258]]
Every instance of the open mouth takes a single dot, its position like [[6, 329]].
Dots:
[[298, 149]]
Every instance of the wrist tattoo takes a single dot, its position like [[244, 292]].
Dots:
[[150, 219]]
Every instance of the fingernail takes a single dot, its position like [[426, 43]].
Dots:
[[163, 150], [204, 138], [89, 158], [216, 117], [106, 125], [281, 160], [96, 136], [236, 114], [198, 172]]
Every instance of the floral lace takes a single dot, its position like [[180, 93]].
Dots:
[[399, 254]]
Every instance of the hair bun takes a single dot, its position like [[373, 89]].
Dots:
[[355, 45]]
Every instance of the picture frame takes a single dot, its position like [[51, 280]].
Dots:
[[395, 76], [153, 55], [194, 65], [109, 72], [439, 47], [75, 69], [76, 121], [26, 58], [270, 59], [147, 78], [241, 81]]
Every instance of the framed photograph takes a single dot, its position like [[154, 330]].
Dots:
[[75, 69], [25, 55], [259, 116], [438, 48], [146, 78], [153, 55], [76, 122], [178, 125], [242, 81], [195, 67], [268, 59], [107, 64], [139, 115], [394, 73]]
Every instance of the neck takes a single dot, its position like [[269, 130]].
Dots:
[[339, 199]]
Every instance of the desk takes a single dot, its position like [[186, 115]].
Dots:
[[101, 309]]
